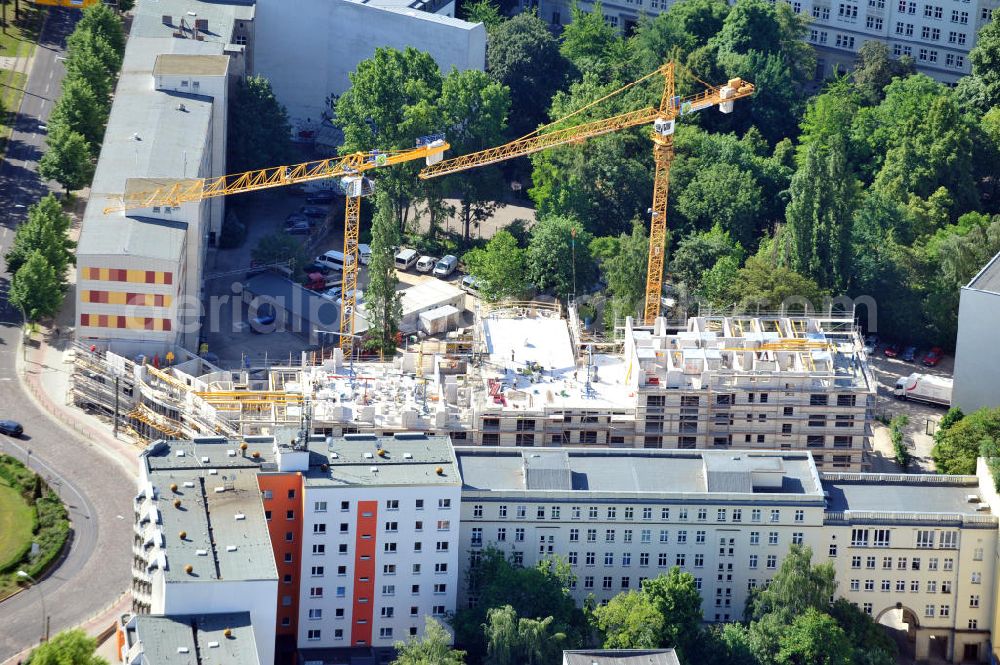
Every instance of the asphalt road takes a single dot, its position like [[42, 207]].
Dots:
[[96, 490]]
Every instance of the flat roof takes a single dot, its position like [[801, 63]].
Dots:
[[406, 459], [913, 493], [637, 471], [988, 279], [210, 65], [137, 236], [196, 639], [217, 504], [621, 657]]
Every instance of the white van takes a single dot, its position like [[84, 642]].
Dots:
[[333, 260], [364, 254], [426, 263], [446, 266], [406, 258]]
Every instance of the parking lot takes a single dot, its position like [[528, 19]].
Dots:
[[923, 417]]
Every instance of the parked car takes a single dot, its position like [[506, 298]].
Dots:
[[364, 254], [871, 344], [314, 211], [332, 259], [263, 321], [298, 229], [426, 263], [446, 266], [332, 293], [405, 259], [891, 350], [297, 218], [470, 285], [909, 354], [317, 267], [11, 428], [324, 197], [933, 356]]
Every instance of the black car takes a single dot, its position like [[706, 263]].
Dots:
[[11, 428], [313, 211], [324, 197]]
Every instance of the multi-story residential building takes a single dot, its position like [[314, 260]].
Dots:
[[922, 546], [779, 382], [348, 543], [194, 639], [977, 360], [140, 270], [937, 36]]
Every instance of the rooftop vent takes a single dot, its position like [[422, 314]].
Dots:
[[213, 472], [204, 460], [407, 455], [374, 469], [179, 453], [231, 452], [182, 650], [230, 548], [972, 498], [201, 552], [369, 456], [213, 645], [982, 508], [188, 483], [240, 516], [334, 456], [220, 489]]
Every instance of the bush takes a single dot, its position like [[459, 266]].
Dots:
[[50, 526], [896, 425]]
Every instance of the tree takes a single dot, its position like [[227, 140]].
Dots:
[[524, 56], [687, 25], [555, 241], [474, 109], [125, 5], [629, 621], [824, 195], [67, 160], [70, 647], [392, 101], [499, 267], [259, 132], [92, 59], [35, 288], [982, 88], [434, 648], [698, 252], [675, 596], [588, 39], [763, 284], [279, 248], [875, 68], [896, 426], [870, 642], [514, 640], [79, 110], [625, 274], [957, 447], [797, 586], [483, 11], [382, 301], [535, 592], [45, 230], [814, 638], [102, 20], [726, 195]]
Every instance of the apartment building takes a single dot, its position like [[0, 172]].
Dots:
[[937, 35], [977, 361], [923, 547]]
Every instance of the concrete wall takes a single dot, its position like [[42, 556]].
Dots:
[[307, 47], [977, 358]]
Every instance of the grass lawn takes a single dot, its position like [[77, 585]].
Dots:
[[15, 523], [17, 40]]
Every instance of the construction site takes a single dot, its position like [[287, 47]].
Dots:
[[526, 375]]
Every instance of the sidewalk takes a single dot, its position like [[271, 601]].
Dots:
[[98, 627]]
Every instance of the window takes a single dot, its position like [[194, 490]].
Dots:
[[859, 537], [977, 578], [571, 558], [887, 563], [319, 507], [588, 582], [956, 37], [477, 537], [720, 515], [574, 535], [832, 551], [797, 538], [855, 562], [392, 504], [387, 569], [737, 514], [753, 561], [625, 583], [316, 592], [915, 563], [440, 589], [317, 528], [755, 515], [925, 539], [886, 585], [682, 537], [438, 610], [772, 538], [502, 512], [680, 560], [627, 559], [949, 541], [901, 585], [627, 536], [609, 558], [477, 510], [317, 571], [590, 559], [444, 504], [629, 512], [606, 583], [702, 514], [948, 564], [314, 634], [855, 585], [928, 610], [800, 516], [944, 611], [699, 537], [843, 41], [555, 512], [519, 535], [869, 585], [540, 513], [388, 589], [645, 536], [881, 538], [390, 527], [319, 548], [609, 535], [775, 516], [932, 586], [772, 561], [501, 534], [442, 546], [592, 513], [973, 624]]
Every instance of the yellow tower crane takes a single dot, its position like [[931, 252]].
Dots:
[[662, 119], [350, 167]]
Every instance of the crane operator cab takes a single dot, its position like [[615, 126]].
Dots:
[[431, 142], [663, 127]]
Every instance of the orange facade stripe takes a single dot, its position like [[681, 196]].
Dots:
[[365, 542], [286, 495]]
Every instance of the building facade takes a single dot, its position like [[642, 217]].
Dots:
[[937, 36], [977, 362]]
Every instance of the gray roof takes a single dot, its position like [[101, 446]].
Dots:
[[137, 236], [903, 494], [988, 278], [621, 657], [171, 142], [196, 639], [216, 504], [617, 471], [406, 459], [321, 313]]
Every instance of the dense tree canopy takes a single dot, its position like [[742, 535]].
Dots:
[[259, 132]]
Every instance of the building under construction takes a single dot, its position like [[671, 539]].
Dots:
[[525, 376]]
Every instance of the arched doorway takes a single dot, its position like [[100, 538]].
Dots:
[[901, 622]]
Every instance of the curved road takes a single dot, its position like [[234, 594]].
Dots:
[[95, 488]]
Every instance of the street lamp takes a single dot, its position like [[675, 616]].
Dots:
[[41, 598]]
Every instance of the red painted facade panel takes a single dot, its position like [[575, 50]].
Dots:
[[364, 573]]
